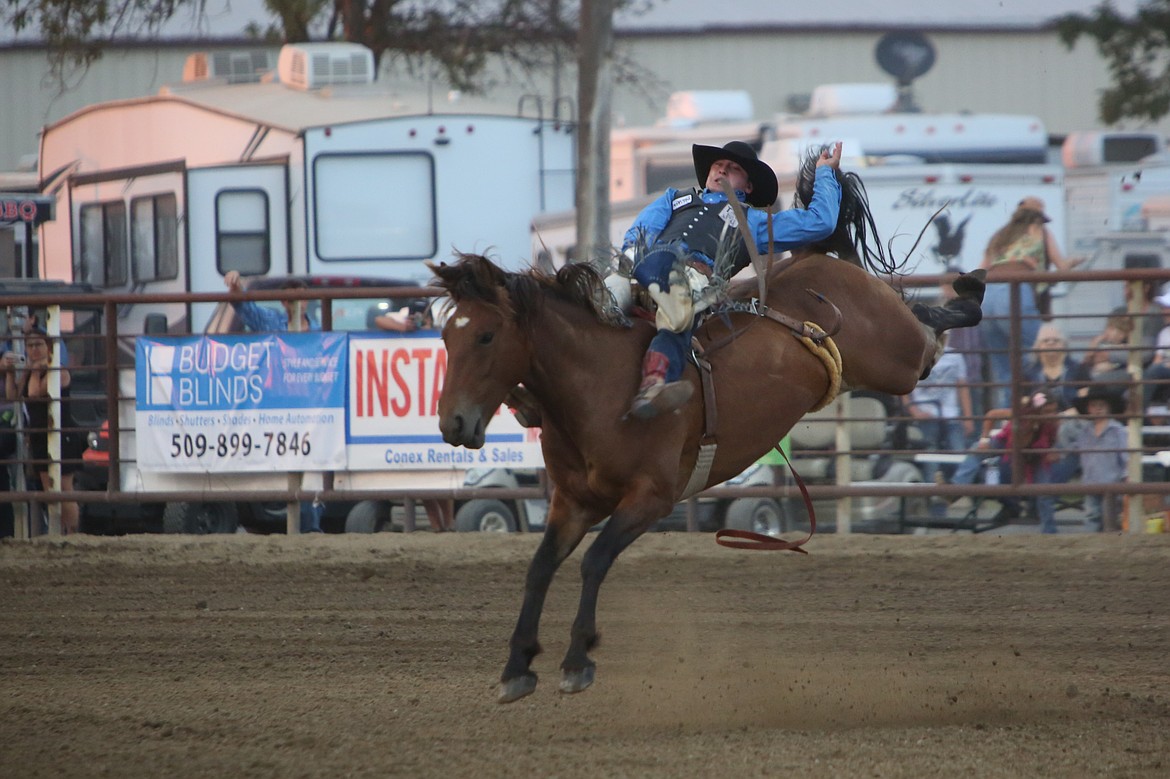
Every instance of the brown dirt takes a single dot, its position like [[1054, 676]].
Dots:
[[247, 656]]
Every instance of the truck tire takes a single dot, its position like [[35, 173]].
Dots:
[[200, 518], [485, 515], [368, 516], [758, 515]]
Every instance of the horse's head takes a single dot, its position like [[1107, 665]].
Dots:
[[487, 351]]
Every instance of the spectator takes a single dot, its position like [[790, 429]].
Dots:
[[968, 343], [7, 455], [27, 381], [1049, 368], [1104, 456], [1107, 358], [1023, 245], [1039, 427], [1051, 365], [259, 319], [407, 319], [1156, 390], [941, 406]]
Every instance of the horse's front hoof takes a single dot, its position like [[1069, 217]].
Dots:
[[576, 681], [517, 688]]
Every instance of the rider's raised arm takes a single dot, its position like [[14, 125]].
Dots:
[[797, 227]]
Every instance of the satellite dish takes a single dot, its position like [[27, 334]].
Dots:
[[905, 55]]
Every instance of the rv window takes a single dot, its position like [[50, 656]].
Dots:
[[374, 206], [103, 259], [242, 232], [1128, 148], [154, 237], [661, 175]]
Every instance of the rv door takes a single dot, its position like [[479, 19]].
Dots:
[[237, 219]]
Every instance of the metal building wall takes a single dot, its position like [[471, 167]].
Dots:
[[985, 71], [31, 99], [1003, 72]]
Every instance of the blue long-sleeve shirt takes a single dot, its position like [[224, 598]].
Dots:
[[260, 319], [791, 229]]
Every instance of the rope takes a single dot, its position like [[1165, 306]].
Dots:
[[826, 351]]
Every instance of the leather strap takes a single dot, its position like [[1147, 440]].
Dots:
[[762, 543]]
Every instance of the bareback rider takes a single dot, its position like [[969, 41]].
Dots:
[[696, 223]]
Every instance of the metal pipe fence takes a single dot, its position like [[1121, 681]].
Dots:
[[100, 347]]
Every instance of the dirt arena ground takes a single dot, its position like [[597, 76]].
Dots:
[[375, 656]]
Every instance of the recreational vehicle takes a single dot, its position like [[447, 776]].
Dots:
[[315, 169], [953, 178], [1116, 186], [939, 185]]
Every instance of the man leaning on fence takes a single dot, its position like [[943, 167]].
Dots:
[[259, 319]]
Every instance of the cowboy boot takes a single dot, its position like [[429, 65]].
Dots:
[[656, 395], [959, 312], [963, 311], [970, 286]]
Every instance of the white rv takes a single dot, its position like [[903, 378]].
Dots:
[[1112, 181], [973, 169], [970, 169], [318, 170]]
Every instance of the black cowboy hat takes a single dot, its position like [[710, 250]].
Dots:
[[762, 178], [1113, 397]]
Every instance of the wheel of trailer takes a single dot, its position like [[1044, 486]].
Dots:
[[758, 515], [368, 516], [485, 515], [200, 518]]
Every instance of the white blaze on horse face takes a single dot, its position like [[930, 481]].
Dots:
[[460, 321]]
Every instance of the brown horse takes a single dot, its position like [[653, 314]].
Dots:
[[548, 334]]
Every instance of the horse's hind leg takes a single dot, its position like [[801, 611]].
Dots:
[[577, 669], [566, 528]]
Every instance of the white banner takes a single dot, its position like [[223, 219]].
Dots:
[[392, 418], [241, 403]]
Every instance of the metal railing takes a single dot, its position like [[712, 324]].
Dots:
[[116, 343]]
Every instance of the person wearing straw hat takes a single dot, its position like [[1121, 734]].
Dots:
[[1023, 245], [1104, 454], [680, 234]]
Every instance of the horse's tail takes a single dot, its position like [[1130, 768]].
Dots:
[[855, 237]]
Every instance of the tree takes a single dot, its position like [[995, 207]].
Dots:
[[1138, 52]]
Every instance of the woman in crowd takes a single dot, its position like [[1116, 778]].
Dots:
[[29, 384]]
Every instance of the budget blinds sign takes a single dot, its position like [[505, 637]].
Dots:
[[241, 403], [393, 411]]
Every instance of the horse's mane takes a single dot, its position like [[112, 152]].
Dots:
[[475, 277], [855, 239]]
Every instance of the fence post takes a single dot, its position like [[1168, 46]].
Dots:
[[296, 479], [1136, 515], [844, 463], [55, 433]]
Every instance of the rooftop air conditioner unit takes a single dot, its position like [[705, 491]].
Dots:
[[233, 67], [698, 106], [846, 99], [316, 65]]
